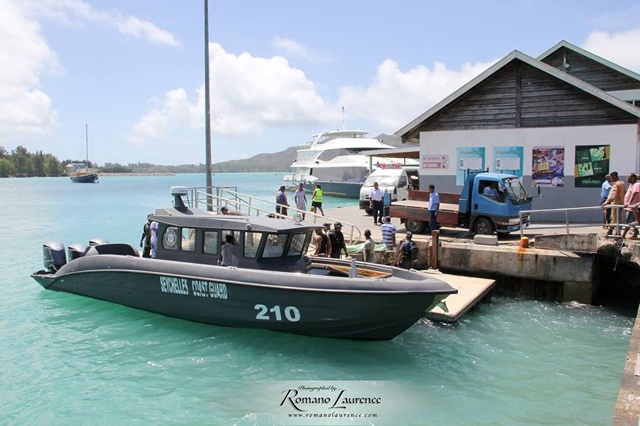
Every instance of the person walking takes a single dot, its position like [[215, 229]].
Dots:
[[376, 203], [337, 241], [368, 251], [434, 207], [300, 198], [388, 231], [316, 199], [146, 238], [616, 197], [281, 202], [631, 199], [604, 193]]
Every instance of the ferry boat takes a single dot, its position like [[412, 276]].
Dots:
[[274, 284], [337, 161]]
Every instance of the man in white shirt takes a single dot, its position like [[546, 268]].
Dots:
[[301, 199], [376, 203]]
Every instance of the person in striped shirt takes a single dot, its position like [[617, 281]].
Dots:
[[388, 230]]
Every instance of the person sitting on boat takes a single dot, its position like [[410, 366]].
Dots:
[[146, 237], [407, 252], [281, 201], [323, 244], [228, 258], [336, 237], [224, 210]]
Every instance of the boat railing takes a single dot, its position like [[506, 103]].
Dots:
[[567, 210], [245, 204]]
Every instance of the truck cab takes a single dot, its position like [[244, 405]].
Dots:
[[491, 202], [488, 203], [395, 182]]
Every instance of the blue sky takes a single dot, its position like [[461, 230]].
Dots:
[[133, 70]]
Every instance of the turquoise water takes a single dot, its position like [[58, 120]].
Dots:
[[66, 359]]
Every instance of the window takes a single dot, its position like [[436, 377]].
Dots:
[[274, 247], [170, 238], [211, 242], [188, 239], [251, 243], [297, 244]]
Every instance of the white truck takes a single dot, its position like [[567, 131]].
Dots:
[[395, 182]]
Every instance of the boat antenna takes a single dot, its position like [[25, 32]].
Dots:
[[207, 108], [343, 125]]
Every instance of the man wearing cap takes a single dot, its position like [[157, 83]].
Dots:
[[407, 252], [224, 210], [337, 241]]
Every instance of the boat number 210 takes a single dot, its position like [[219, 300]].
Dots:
[[291, 313]]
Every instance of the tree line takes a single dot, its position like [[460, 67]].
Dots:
[[22, 163]]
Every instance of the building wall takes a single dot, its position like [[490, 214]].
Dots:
[[624, 158]]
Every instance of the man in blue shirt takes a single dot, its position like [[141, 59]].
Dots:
[[434, 206]]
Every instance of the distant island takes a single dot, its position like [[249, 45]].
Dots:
[[21, 163]]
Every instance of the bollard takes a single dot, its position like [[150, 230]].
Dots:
[[433, 250], [524, 242]]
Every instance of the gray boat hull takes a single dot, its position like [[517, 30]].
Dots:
[[316, 305]]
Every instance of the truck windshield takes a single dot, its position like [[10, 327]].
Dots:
[[516, 191], [382, 180]]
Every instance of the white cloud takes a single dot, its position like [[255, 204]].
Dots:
[[396, 97], [620, 48], [248, 94], [294, 48], [79, 13], [24, 57]]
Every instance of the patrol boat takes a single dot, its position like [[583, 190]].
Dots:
[[274, 286]]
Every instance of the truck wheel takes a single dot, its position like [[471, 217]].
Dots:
[[484, 226], [415, 226], [368, 211]]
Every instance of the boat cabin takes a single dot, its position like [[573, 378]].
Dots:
[[192, 235]]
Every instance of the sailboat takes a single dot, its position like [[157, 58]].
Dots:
[[80, 174]]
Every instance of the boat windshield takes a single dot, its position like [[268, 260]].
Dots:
[[382, 180], [515, 190]]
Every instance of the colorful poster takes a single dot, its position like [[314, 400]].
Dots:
[[508, 159], [547, 167], [435, 161], [592, 165], [470, 159]]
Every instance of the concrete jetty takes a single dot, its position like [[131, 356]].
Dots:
[[568, 259]]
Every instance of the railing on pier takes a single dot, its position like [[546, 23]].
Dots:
[[245, 204], [617, 226]]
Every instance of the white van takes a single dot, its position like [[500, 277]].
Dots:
[[391, 181]]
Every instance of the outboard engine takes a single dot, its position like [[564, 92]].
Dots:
[[53, 255], [97, 242], [75, 251]]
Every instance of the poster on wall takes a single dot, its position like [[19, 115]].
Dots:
[[547, 167], [435, 161], [508, 159], [592, 165], [469, 159]]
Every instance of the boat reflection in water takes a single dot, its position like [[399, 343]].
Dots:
[[275, 286]]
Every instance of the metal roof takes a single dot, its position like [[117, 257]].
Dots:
[[517, 55], [591, 56]]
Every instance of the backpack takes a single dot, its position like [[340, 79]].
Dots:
[[410, 250]]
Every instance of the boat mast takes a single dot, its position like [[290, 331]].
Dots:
[[207, 108], [86, 139]]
